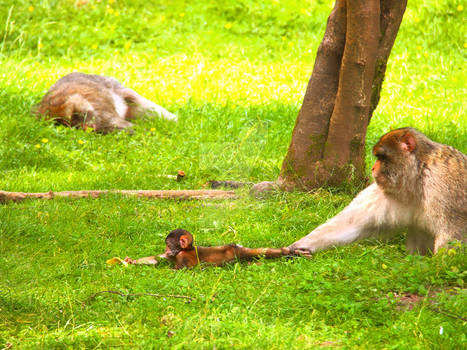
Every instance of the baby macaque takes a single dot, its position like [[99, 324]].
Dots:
[[86, 100], [421, 186], [181, 251]]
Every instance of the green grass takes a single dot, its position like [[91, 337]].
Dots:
[[235, 74]]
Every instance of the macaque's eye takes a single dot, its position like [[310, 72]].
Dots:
[[381, 157]]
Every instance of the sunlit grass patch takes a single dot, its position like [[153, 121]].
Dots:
[[179, 78]]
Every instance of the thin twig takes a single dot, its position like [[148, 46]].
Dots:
[[92, 296], [435, 309]]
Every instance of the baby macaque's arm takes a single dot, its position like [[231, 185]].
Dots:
[[149, 260]]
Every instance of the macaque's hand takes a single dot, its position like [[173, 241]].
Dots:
[[303, 252], [129, 260]]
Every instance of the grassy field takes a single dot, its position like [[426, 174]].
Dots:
[[235, 73]]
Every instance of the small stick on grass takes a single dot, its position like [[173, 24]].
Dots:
[[228, 183], [92, 296], [445, 313]]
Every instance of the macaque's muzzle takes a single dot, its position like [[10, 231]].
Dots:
[[166, 254]]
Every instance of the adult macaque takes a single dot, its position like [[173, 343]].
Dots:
[[86, 100], [181, 251], [420, 186]]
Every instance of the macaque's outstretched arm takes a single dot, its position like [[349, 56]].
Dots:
[[149, 260], [370, 213]]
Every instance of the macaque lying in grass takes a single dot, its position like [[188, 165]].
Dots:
[[181, 251], [94, 101]]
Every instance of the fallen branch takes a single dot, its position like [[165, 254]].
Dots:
[[177, 194], [228, 183], [92, 296], [445, 313]]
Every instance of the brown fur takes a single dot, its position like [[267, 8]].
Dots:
[[84, 100]]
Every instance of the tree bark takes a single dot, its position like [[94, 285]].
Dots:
[[312, 124], [159, 194], [392, 12], [345, 146], [328, 140]]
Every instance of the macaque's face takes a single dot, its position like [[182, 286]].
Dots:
[[172, 248], [382, 170], [393, 159], [176, 241]]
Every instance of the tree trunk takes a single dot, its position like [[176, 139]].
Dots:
[[328, 141]]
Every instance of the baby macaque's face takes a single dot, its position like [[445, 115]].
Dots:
[[170, 252]]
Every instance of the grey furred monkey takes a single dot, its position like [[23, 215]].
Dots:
[[420, 186]]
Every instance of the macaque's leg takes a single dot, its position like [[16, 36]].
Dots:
[[149, 260], [145, 105], [109, 121], [120, 123], [419, 242], [442, 239], [369, 214], [249, 253]]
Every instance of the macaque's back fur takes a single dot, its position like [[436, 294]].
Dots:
[[444, 200]]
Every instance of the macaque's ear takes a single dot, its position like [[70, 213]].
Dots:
[[408, 142], [185, 241]]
